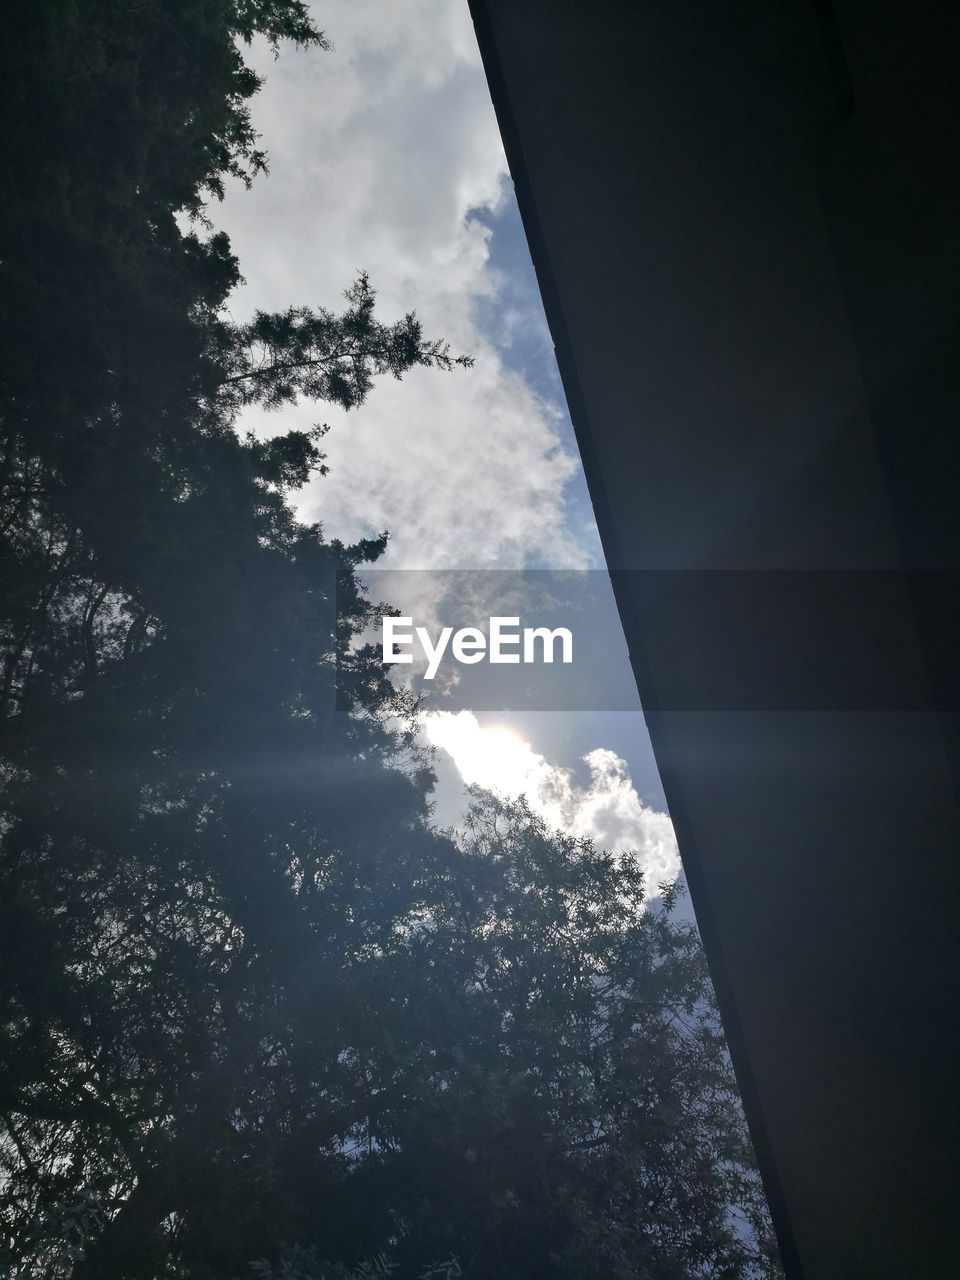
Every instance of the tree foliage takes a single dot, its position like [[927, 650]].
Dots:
[[259, 1016]]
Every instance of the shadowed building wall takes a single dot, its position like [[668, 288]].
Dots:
[[745, 219]]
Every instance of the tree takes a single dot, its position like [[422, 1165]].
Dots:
[[491, 1054], [548, 1093], [250, 994], [169, 630]]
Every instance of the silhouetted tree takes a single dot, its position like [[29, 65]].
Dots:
[[257, 1013]]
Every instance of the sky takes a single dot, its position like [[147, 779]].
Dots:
[[385, 157]]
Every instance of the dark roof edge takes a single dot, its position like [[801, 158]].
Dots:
[[549, 292]]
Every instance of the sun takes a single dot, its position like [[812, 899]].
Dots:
[[489, 756]]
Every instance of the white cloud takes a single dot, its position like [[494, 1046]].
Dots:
[[608, 809], [378, 152]]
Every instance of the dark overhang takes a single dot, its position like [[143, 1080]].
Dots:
[[745, 219]]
